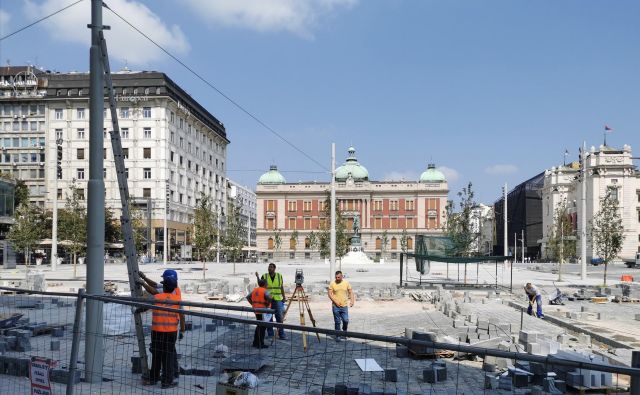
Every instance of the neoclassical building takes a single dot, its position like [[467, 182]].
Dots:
[[385, 208], [608, 171]]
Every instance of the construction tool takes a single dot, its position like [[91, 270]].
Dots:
[[301, 297]]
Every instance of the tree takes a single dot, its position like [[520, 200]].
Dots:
[[294, 236], [205, 227], [324, 234], [607, 231], [72, 225], [277, 240], [384, 243], [27, 229], [139, 227], [459, 227], [313, 240], [21, 194], [562, 241], [235, 233], [112, 231], [403, 241]]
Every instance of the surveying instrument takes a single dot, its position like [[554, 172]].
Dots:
[[303, 304]]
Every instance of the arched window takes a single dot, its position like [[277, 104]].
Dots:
[[307, 243], [292, 243], [378, 243], [394, 243], [409, 243], [270, 243]]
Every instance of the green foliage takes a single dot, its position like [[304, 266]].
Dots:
[[277, 240], [235, 233], [403, 241], [562, 242], [607, 231], [139, 227], [459, 227], [112, 231], [72, 224], [294, 236], [21, 194], [205, 227], [27, 229], [324, 236], [313, 240], [384, 243]]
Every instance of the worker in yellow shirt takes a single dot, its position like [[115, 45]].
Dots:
[[342, 298]]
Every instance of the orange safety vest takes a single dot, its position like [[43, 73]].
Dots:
[[165, 321], [258, 298]]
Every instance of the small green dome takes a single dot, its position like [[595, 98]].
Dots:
[[273, 176], [353, 168], [432, 174]]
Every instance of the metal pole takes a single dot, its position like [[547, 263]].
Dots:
[[54, 220], [561, 248], [506, 237], [332, 229], [95, 203], [583, 216], [149, 228], [635, 380], [523, 245], [75, 343], [218, 233], [515, 248], [401, 263]]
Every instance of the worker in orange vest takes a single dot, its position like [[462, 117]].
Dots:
[[164, 333], [260, 299]]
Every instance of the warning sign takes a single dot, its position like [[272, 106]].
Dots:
[[39, 374]]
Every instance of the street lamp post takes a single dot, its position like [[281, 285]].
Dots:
[[54, 228]]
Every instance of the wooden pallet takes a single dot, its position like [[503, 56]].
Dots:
[[434, 355], [599, 299], [590, 390]]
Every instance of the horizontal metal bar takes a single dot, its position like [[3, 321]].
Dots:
[[29, 291], [547, 360], [199, 304]]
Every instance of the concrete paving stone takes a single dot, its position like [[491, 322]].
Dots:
[[391, 375], [520, 380], [54, 345], [62, 376], [528, 336], [57, 332]]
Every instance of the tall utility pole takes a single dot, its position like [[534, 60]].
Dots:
[[506, 235], [95, 203], [218, 232], [332, 231], [522, 246], [165, 230], [583, 215], [515, 247], [54, 227]]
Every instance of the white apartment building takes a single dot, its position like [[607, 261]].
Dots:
[[174, 149], [246, 198], [608, 170]]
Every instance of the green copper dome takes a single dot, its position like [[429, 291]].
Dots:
[[353, 168], [273, 176], [432, 174]]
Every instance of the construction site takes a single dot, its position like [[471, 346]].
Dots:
[[433, 335]]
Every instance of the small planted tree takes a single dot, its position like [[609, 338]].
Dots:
[[403, 241], [205, 229], [562, 241], [27, 229], [324, 234], [235, 233], [459, 227], [294, 239], [313, 240], [384, 243], [277, 241], [72, 224], [607, 231]]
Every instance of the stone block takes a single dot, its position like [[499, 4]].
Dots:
[[61, 376], [574, 379], [458, 323], [490, 381], [391, 375], [429, 376], [136, 365], [584, 338], [340, 389], [54, 345], [57, 332], [210, 327], [440, 373], [534, 348], [488, 367], [423, 336], [203, 371], [584, 309], [188, 326], [483, 324], [505, 383], [528, 336], [23, 344], [563, 338], [520, 380], [637, 317], [402, 351], [561, 385]]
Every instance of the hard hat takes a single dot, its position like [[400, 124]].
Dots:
[[170, 282], [170, 273]]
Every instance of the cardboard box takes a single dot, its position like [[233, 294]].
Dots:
[[228, 389]]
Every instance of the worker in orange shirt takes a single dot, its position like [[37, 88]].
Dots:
[[260, 299]]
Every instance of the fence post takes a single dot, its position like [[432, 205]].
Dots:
[[401, 263], [75, 344], [635, 380]]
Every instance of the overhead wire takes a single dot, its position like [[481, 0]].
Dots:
[[219, 91], [39, 20]]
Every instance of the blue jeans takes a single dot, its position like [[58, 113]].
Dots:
[[278, 306], [340, 316], [538, 300]]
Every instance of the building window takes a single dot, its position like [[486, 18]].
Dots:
[[270, 223], [59, 194], [307, 255], [124, 112], [291, 205], [80, 193], [124, 133], [378, 243], [146, 153], [146, 133], [59, 135], [270, 243], [80, 113], [292, 223], [292, 255], [80, 174], [58, 114], [394, 243], [80, 134], [307, 243], [307, 223], [377, 223], [146, 173], [125, 153], [409, 205], [271, 205], [411, 223], [146, 112], [613, 193], [292, 243], [393, 205], [146, 192], [377, 205], [306, 205], [80, 153], [393, 222], [409, 243]]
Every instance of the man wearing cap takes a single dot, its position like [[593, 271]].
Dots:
[[259, 299], [164, 333], [275, 286], [533, 294]]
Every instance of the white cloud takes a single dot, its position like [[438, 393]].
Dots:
[[452, 175], [123, 42], [501, 169], [401, 176], [5, 17], [295, 16]]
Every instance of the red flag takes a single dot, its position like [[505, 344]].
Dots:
[[607, 128]]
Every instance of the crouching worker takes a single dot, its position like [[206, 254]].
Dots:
[[533, 294], [164, 333], [260, 299]]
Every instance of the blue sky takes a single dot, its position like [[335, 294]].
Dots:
[[492, 91]]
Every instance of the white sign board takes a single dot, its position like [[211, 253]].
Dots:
[[39, 374], [369, 365]]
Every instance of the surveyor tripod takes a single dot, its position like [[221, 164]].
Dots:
[[303, 304]]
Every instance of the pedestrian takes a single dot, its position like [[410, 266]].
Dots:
[[260, 299], [342, 298], [275, 286], [533, 294], [155, 288], [164, 333]]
